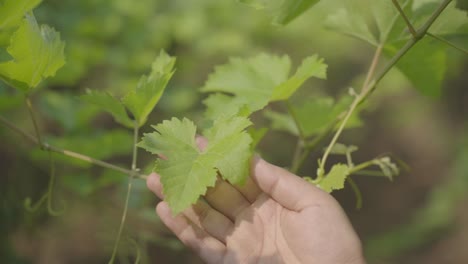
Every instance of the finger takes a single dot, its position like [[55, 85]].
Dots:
[[284, 187], [249, 190], [207, 247], [226, 199], [210, 220], [153, 182]]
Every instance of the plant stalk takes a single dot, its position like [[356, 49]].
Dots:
[[69, 153]]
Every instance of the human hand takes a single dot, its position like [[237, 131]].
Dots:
[[276, 217]]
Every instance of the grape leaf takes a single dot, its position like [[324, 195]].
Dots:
[[283, 12], [110, 104], [375, 22], [291, 9], [312, 66], [188, 171], [335, 179], [309, 121], [141, 100], [253, 83], [424, 65], [462, 5], [37, 52], [12, 11]]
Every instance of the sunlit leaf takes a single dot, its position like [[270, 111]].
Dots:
[[12, 11], [37, 53], [110, 104], [335, 179], [186, 172], [424, 65], [141, 100], [253, 83], [312, 66]]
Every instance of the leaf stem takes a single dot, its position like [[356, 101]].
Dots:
[[34, 121], [447, 42], [370, 86], [420, 33], [403, 15], [69, 153], [50, 190], [356, 191], [357, 100], [300, 141], [129, 190]]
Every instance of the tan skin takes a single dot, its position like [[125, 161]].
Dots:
[[276, 217]]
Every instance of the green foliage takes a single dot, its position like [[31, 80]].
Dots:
[[139, 101], [110, 104], [33, 62], [253, 83], [186, 171], [283, 11], [12, 11], [334, 180], [309, 122], [462, 4]]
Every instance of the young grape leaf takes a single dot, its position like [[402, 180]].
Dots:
[[462, 5], [37, 52], [291, 9], [141, 100], [283, 12], [424, 65], [186, 172], [253, 83], [389, 169], [12, 11], [312, 66], [110, 104], [335, 179], [375, 22], [306, 115]]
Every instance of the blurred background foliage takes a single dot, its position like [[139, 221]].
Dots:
[[419, 218]]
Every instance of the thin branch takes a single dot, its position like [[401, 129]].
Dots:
[[69, 153], [420, 33], [364, 90], [300, 141], [447, 42], [356, 191], [34, 121], [129, 191], [403, 15], [50, 189]]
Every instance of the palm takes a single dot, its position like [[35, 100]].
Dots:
[[274, 218]]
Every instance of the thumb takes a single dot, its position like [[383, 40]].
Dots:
[[286, 188]]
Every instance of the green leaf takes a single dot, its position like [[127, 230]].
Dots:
[[368, 20], [424, 65], [283, 11], [37, 54], [281, 122], [291, 9], [149, 90], [12, 11], [462, 5], [252, 83], [335, 179], [312, 66], [110, 104], [187, 171], [309, 121]]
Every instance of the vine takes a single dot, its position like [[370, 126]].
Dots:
[[265, 80]]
